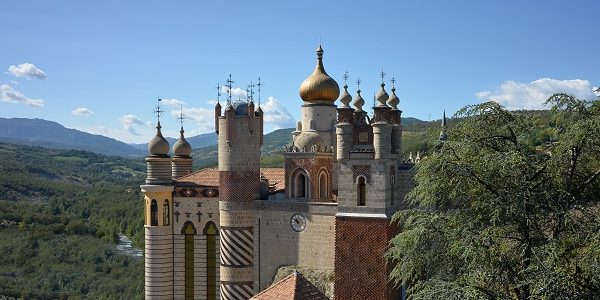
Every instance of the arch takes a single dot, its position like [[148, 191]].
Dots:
[[323, 184], [361, 191], [300, 184], [166, 212], [189, 230], [153, 213], [211, 231]]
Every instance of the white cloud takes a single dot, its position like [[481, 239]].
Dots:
[[8, 94], [27, 70], [212, 102], [82, 111], [172, 102], [532, 95], [276, 115], [236, 93], [203, 117], [129, 122]]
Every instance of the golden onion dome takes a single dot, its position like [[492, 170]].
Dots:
[[319, 87]]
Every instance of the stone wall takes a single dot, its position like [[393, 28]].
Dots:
[[280, 245]]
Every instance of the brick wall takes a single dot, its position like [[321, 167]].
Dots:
[[361, 270]]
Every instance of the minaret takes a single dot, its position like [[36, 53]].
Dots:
[[443, 135], [158, 203], [239, 180]]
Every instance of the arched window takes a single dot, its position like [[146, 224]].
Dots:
[[189, 231], [361, 191], [166, 213], [153, 213], [211, 232], [300, 185], [323, 185]]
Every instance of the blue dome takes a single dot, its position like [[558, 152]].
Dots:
[[241, 108]]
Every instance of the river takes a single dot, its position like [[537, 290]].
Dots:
[[124, 247]]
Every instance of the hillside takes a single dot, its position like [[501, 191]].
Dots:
[[60, 213], [38, 132]]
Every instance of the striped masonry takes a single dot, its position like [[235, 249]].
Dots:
[[236, 290], [158, 263], [237, 247]]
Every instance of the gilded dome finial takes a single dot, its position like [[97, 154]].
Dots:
[[319, 87]]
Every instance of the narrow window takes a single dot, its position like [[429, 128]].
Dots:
[[153, 213], [166, 213], [301, 186], [393, 179], [210, 230], [323, 185], [362, 191], [189, 232]]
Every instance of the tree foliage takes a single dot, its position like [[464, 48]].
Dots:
[[507, 208]]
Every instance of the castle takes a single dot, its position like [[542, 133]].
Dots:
[[223, 233]]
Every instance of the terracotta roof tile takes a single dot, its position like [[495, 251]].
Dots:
[[293, 287], [210, 177]]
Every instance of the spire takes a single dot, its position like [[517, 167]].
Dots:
[[259, 85], [443, 135], [158, 145], [229, 85]]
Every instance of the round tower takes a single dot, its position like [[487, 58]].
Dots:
[[158, 203], [239, 181]]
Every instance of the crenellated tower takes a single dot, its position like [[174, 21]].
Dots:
[[239, 142]]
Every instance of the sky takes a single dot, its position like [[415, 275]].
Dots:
[[100, 66]]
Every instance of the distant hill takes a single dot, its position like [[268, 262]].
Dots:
[[49, 134], [197, 141]]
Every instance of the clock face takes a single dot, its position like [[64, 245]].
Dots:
[[298, 222]]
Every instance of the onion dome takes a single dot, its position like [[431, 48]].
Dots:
[[345, 98], [158, 145], [305, 140], [182, 147], [382, 96], [393, 101], [319, 87], [358, 101]]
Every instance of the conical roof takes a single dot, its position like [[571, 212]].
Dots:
[[293, 287]]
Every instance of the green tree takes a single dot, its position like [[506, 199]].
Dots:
[[497, 215]]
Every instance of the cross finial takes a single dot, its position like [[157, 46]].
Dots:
[[251, 87], [346, 78], [382, 75], [158, 111], [259, 85], [358, 83], [229, 85], [393, 81], [181, 116], [218, 92]]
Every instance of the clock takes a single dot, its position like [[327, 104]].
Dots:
[[298, 222]]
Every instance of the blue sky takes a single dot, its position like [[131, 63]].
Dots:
[[99, 66]]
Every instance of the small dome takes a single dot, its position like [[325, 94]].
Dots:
[[382, 96], [158, 145], [394, 100], [345, 98], [241, 108], [305, 140], [182, 147], [319, 87], [358, 101]]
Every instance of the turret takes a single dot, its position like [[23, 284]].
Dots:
[[181, 164], [395, 117], [344, 126], [158, 162], [239, 182], [382, 130]]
